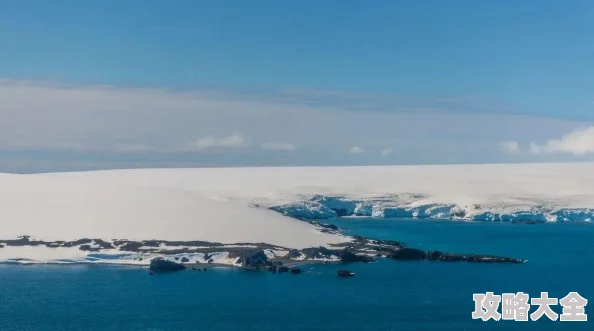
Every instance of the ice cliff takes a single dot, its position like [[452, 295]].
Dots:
[[328, 207]]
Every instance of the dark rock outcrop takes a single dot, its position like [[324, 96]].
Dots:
[[492, 259], [318, 252], [408, 254], [346, 256], [327, 226], [295, 271], [160, 265], [88, 248], [255, 260], [252, 259], [459, 214], [434, 255], [293, 254], [251, 255], [447, 257]]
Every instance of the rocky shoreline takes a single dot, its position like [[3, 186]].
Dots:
[[258, 256], [164, 255], [261, 256]]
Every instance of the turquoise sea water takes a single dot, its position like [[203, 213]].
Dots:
[[387, 295]]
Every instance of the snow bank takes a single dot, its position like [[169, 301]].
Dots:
[[143, 205], [230, 205]]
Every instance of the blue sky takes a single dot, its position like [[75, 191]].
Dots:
[[100, 84]]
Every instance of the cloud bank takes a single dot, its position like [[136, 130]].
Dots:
[[233, 141], [510, 147], [228, 127], [577, 142], [278, 146], [386, 151]]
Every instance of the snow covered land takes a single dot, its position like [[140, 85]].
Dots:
[[247, 205]]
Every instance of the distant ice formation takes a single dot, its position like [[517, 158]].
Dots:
[[324, 207]]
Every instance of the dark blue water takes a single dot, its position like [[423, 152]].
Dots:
[[387, 295]]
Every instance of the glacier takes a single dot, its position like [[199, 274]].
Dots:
[[334, 207], [243, 207]]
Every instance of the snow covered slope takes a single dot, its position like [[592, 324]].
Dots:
[[142, 205], [221, 204]]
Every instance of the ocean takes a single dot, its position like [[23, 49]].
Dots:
[[387, 295]]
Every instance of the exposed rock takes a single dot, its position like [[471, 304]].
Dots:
[[23, 241], [492, 259], [359, 249], [293, 254], [458, 213], [318, 252], [327, 226], [408, 254], [104, 244], [77, 242], [130, 246], [159, 265], [434, 255], [257, 259], [345, 274], [452, 257], [346, 256], [88, 248], [447, 257]]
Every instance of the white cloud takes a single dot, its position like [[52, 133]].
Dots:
[[356, 150], [510, 146], [52, 117], [131, 148], [279, 146], [232, 141], [535, 149], [577, 142], [386, 151]]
